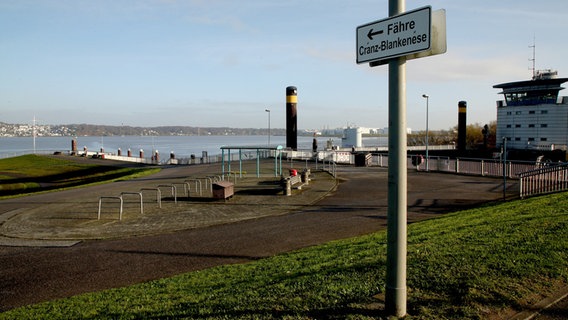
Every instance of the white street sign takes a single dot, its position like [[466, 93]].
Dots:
[[395, 36]]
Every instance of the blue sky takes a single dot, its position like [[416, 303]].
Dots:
[[223, 62]]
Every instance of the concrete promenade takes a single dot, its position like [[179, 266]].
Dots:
[[67, 217], [52, 245]]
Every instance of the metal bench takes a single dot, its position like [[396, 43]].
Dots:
[[289, 182]]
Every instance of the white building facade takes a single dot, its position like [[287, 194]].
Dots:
[[533, 115]]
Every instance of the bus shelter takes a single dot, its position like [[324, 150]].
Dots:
[[277, 150]]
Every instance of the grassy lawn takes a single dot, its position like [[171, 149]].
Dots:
[[35, 173], [466, 265]]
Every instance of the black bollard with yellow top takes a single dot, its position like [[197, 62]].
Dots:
[[291, 118], [462, 125]]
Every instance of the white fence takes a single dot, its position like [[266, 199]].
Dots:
[[482, 167], [534, 178], [544, 180]]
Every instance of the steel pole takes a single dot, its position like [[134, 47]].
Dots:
[[268, 111], [504, 168], [395, 298], [427, 101]]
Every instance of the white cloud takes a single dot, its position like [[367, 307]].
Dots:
[[460, 66]]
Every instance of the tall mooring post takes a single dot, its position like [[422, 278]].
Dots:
[[291, 118], [74, 146], [462, 125]]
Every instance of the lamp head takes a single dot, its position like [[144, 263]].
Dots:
[[425, 96]]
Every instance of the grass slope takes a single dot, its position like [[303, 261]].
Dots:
[[35, 173], [465, 265]]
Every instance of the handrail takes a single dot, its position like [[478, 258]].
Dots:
[[172, 187], [101, 203], [197, 185], [186, 187], [139, 194], [544, 180], [158, 194]]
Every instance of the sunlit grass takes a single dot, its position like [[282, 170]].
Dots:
[[460, 266], [34, 173]]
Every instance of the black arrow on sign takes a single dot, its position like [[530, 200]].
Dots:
[[371, 34]]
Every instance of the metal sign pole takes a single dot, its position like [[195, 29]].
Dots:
[[402, 36], [504, 168], [395, 298]]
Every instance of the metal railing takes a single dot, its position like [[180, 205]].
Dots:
[[481, 167], [534, 179], [544, 180]]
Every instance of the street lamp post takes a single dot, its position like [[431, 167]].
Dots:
[[427, 98], [504, 153], [268, 111]]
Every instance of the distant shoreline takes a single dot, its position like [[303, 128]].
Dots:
[[92, 130]]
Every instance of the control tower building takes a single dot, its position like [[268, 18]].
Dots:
[[533, 115]]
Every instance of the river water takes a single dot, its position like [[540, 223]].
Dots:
[[181, 146]]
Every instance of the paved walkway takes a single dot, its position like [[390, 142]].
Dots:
[[68, 217], [53, 246]]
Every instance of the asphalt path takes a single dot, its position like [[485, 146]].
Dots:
[[357, 206]]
